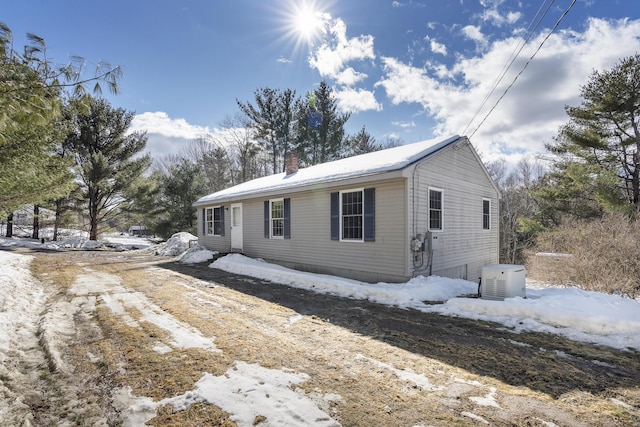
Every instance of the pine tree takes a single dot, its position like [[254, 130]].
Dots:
[[107, 159], [31, 93], [272, 120], [362, 143], [599, 149], [326, 140]]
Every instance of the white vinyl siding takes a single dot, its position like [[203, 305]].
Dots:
[[311, 248], [463, 246], [400, 211], [220, 243]]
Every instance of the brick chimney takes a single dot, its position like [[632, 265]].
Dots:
[[291, 163]]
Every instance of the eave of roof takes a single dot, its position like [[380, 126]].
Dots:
[[374, 163]]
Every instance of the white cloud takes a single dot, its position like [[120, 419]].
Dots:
[[437, 47], [355, 100], [474, 33], [332, 56], [159, 122], [167, 136], [349, 77], [407, 84], [494, 16], [405, 125], [533, 109]]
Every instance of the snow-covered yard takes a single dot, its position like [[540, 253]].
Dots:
[[588, 317], [580, 315]]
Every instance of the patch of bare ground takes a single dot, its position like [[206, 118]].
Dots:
[[379, 365]]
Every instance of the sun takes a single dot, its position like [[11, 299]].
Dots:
[[305, 23]]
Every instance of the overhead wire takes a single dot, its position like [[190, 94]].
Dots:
[[564, 14], [535, 22]]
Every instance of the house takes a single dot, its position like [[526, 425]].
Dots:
[[24, 217], [418, 209]]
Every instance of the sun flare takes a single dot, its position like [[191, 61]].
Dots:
[[305, 23]]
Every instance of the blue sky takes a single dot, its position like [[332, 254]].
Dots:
[[412, 69]]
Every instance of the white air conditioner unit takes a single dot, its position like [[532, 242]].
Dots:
[[500, 281]]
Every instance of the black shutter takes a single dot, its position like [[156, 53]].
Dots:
[[204, 221], [369, 214], [222, 220], [335, 216], [287, 218], [266, 219]]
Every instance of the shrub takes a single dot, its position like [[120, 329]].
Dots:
[[605, 255]]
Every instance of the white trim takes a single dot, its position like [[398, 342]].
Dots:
[[355, 190], [441, 191], [490, 222], [206, 225], [271, 201]]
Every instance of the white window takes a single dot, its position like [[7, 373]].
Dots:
[[435, 209], [486, 214], [276, 218], [352, 214], [214, 221]]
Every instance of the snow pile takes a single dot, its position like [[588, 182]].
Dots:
[[591, 317], [21, 300], [176, 245], [196, 254], [413, 293], [246, 391], [120, 243]]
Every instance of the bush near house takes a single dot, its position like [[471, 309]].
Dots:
[[605, 255]]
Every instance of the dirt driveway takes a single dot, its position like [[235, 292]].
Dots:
[[364, 364]]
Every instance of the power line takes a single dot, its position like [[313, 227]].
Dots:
[[525, 66], [514, 55]]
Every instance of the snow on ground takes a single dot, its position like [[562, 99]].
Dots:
[[79, 240], [121, 301], [176, 245], [21, 299], [245, 391], [576, 314], [196, 255], [579, 315]]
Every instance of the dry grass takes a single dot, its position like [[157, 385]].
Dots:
[[197, 415], [353, 356], [605, 255]]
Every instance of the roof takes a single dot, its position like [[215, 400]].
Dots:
[[388, 160]]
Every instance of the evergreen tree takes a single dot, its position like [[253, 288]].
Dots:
[[181, 185], [272, 120], [324, 141], [217, 168], [362, 143], [31, 90], [598, 163], [107, 159], [142, 202]]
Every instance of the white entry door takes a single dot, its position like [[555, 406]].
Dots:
[[236, 227]]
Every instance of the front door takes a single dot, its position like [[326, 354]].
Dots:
[[236, 227]]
